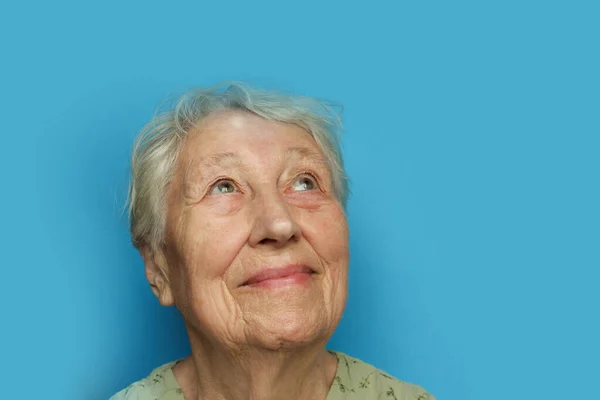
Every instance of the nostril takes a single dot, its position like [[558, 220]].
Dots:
[[268, 241]]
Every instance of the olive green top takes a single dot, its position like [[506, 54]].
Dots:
[[354, 379]]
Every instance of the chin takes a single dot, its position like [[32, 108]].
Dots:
[[290, 330]]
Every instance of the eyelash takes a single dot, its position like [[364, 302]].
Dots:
[[223, 179], [314, 178]]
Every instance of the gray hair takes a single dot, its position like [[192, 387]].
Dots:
[[158, 144]]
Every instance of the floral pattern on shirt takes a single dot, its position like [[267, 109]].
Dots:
[[354, 379]]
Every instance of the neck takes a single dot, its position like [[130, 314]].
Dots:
[[213, 372]]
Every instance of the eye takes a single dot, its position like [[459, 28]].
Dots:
[[305, 182], [223, 186]]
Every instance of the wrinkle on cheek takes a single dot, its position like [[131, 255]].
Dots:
[[180, 229], [234, 315]]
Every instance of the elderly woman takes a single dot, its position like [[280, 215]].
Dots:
[[237, 205]]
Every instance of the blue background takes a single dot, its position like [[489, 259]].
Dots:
[[472, 140]]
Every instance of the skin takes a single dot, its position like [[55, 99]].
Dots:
[[261, 206]]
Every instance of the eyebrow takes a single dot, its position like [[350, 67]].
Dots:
[[220, 159], [304, 152], [228, 158], [197, 168]]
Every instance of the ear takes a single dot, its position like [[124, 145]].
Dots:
[[157, 273]]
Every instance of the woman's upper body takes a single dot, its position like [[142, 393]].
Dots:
[[354, 379], [237, 205]]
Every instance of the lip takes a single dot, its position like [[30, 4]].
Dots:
[[293, 273]]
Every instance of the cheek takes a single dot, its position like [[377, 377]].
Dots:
[[328, 234], [211, 243], [220, 206]]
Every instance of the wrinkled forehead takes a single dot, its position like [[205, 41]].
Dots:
[[241, 139]]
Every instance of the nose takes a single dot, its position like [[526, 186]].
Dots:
[[274, 224]]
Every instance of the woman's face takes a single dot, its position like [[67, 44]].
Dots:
[[257, 244]]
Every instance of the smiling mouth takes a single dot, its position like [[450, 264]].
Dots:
[[272, 278]]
